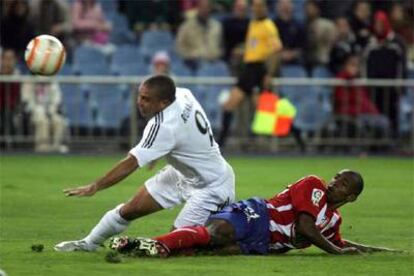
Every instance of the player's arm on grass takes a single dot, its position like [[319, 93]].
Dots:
[[234, 249], [121, 170], [227, 250], [368, 248], [305, 225], [279, 251]]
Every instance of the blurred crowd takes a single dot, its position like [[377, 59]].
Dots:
[[313, 32], [350, 38]]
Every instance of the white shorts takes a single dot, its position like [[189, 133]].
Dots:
[[168, 188]]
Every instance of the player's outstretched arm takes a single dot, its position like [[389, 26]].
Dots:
[[115, 175], [368, 248], [305, 225]]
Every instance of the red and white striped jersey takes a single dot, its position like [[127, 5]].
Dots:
[[308, 195]]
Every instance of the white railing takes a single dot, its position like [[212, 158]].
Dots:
[[183, 81]]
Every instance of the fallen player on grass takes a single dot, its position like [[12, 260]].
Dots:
[[304, 214]]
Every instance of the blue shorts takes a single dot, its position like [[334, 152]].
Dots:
[[250, 220]]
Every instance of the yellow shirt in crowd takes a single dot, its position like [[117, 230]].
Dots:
[[261, 41]]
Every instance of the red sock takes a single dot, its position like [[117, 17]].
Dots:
[[186, 237]]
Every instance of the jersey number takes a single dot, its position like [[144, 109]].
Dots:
[[203, 126]]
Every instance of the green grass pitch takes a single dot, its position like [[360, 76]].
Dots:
[[33, 210]]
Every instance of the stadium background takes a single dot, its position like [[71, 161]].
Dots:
[[97, 87]]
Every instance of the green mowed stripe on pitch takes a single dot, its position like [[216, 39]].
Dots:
[[33, 210]]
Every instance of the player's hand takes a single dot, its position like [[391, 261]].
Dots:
[[350, 251], [88, 190], [384, 249]]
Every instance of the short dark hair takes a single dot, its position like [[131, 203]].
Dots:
[[359, 181], [162, 85]]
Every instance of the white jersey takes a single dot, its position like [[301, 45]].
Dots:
[[182, 133]]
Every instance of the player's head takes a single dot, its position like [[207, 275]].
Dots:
[[240, 8], [382, 25], [362, 10], [8, 62], [312, 9], [284, 9], [343, 28], [344, 187], [259, 9], [155, 94], [203, 9], [352, 65]]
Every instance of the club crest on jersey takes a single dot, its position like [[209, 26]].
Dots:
[[317, 194], [250, 214]]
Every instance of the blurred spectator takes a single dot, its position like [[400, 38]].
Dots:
[[344, 46], [220, 6], [161, 63], [143, 14], [354, 107], [403, 24], [52, 17], [352, 100], [385, 58], [321, 35], [262, 47], [360, 21], [235, 28], [42, 102], [291, 33], [89, 23], [9, 94], [188, 6], [16, 29], [199, 38]]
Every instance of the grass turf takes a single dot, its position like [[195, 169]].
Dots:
[[33, 210]]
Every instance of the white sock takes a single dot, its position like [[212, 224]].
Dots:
[[110, 224]]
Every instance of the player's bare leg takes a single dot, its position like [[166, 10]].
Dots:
[[140, 205], [114, 222], [236, 97]]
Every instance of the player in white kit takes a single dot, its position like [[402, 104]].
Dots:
[[197, 173]]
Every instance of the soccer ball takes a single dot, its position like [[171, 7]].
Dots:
[[45, 55]]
